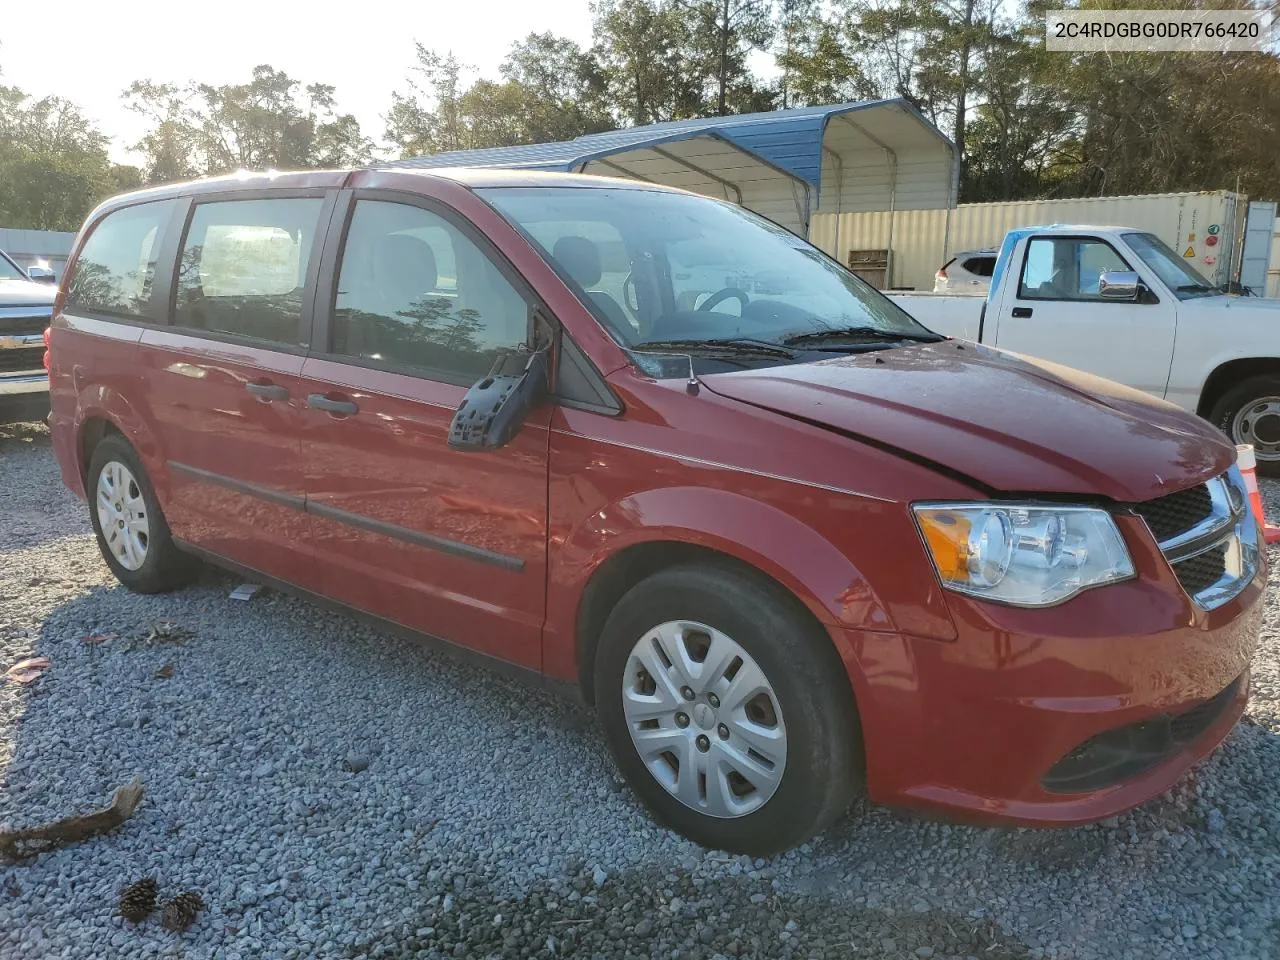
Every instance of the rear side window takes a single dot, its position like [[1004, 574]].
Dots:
[[981, 266], [244, 267], [116, 268]]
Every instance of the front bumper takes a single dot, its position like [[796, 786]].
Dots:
[[24, 397], [976, 728]]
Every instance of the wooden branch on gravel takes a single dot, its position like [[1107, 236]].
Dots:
[[18, 845]]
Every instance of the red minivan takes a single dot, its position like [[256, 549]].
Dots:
[[791, 544]]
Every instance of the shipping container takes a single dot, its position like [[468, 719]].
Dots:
[[1273, 274], [1200, 226]]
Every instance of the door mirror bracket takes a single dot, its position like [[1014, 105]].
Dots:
[[496, 406]]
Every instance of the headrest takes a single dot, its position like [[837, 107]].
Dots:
[[580, 258], [407, 259]]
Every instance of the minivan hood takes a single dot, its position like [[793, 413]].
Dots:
[[26, 293], [1008, 422]]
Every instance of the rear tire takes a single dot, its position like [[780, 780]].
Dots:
[[803, 719], [1250, 413], [131, 529]]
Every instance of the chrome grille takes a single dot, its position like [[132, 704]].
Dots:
[[1203, 570], [1208, 536], [1176, 513]]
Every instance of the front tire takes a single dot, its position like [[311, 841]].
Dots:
[[131, 529], [1250, 413], [727, 709]]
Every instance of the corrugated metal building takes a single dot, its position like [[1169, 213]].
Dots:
[[28, 247], [787, 165]]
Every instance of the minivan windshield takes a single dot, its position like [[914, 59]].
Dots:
[[1169, 267], [673, 271]]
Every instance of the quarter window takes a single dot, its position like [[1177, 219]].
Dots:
[[414, 291], [116, 268], [244, 267], [1066, 268]]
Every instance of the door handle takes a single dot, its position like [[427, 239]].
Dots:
[[320, 401], [268, 391], [1022, 311]]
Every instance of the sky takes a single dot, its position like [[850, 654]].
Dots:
[[89, 51]]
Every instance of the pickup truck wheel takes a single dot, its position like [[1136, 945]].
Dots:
[[132, 533], [1250, 413], [727, 710]]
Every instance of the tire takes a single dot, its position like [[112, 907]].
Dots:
[[141, 553], [809, 703], [1232, 414]]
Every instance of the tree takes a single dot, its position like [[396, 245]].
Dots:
[[562, 88], [796, 20], [723, 33], [642, 48], [53, 163], [271, 122], [817, 61], [550, 90], [426, 119], [1022, 132], [886, 37]]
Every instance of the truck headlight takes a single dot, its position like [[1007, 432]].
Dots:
[[1022, 554]]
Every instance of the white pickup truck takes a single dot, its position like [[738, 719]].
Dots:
[[1118, 303]]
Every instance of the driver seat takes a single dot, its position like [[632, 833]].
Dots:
[[580, 259]]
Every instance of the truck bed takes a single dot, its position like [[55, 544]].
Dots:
[[952, 315]]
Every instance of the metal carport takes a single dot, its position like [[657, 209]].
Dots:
[[786, 165]]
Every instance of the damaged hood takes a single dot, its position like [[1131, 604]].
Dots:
[[1011, 423]]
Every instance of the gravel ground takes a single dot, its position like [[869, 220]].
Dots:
[[334, 792]]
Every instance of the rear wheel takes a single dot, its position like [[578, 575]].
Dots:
[[727, 709], [132, 533], [1250, 413]]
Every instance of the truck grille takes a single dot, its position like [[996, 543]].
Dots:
[[21, 342], [21, 361], [1208, 536]]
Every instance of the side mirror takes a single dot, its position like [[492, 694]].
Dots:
[[495, 407], [41, 274], [1119, 285]]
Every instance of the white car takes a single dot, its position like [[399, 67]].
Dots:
[[968, 272]]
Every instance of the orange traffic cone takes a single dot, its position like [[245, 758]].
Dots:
[[1248, 464]]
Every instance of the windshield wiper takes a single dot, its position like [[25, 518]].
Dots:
[[856, 336], [1195, 288], [742, 346]]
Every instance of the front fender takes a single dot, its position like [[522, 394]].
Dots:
[[767, 538]]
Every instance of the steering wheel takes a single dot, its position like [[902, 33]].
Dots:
[[720, 296]]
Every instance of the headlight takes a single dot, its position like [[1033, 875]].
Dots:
[[1020, 554]]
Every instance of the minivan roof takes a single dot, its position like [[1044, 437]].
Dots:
[[498, 177], [471, 177]]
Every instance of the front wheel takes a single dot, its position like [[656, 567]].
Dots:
[[728, 710], [1250, 413]]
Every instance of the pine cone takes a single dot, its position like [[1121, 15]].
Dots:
[[138, 900], [180, 912]]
